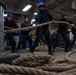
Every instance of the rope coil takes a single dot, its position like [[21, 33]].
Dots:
[[22, 70], [70, 72], [59, 61], [57, 68], [34, 60], [67, 57]]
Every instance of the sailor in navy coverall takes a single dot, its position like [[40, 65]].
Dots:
[[42, 17]]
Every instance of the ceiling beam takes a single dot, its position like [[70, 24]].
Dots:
[[17, 12], [22, 5], [62, 5], [50, 2], [10, 2], [71, 16]]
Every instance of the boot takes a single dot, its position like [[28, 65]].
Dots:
[[50, 50], [70, 48], [66, 50], [13, 51], [32, 50]]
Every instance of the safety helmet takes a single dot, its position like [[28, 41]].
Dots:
[[9, 15], [41, 3]]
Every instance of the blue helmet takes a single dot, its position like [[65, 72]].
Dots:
[[9, 15], [41, 3]]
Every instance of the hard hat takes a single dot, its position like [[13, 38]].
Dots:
[[9, 15], [41, 3]]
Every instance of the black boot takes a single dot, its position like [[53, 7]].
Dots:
[[50, 50], [66, 50], [32, 50], [13, 51], [70, 48]]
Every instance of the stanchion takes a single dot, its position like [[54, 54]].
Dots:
[[2, 8]]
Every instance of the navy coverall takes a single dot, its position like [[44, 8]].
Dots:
[[25, 34], [9, 36], [62, 31], [20, 41], [74, 37], [44, 30]]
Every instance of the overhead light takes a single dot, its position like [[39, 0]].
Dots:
[[5, 15], [74, 4], [35, 13], [27, 8], [34, 24], [33, 20]]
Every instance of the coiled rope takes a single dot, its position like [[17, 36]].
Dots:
[[49, 67], [34, 60], [8, 69], [38, 65], [59, 61], [69, 72], [57, 68], [68, 57]]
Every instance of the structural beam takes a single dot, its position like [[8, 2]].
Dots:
[[50, 2], [62, 5], [71, 16], [22, 5]]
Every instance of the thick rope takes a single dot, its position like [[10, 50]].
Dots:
[[9, 74], [59, 61], [57, 68], [47, 69], [42, 48], [67, 57], [36, 63], [8, 27], [43, 24], [31, 64], [37, 58], [57, 64], [41, 67], [7, 69], [69, 72]]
